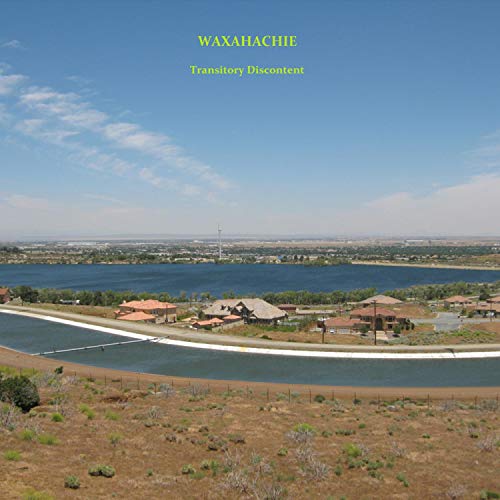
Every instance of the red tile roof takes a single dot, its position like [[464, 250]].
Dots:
[[368, 311], [457, 298], [232, 317], [341, 322], [136, 316], [209, 322], [148, 305], [4, 291]]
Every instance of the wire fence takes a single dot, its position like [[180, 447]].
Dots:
[[293, 394]]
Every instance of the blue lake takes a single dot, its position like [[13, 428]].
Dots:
[[240, 278], [33, 336]]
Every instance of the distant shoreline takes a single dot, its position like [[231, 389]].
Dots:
[[425, 266], [353, 263]]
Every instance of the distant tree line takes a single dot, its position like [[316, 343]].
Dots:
[[113, 298]]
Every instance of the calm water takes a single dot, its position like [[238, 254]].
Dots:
[[240, 278], [32, 336]]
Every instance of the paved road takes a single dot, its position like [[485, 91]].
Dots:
[[213, 338], [446, 321]]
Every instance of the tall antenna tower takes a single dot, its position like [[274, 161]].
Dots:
[[219, 231]]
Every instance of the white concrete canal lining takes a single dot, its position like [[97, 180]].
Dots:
[[258, 350]]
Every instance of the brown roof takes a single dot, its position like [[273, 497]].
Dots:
[[209, 322], [495, 299], [259, 309], [457, 298], [136, 316], [368, 311], [148, 305], [381, 299], [341, 322], [4, 291], [232, 317]]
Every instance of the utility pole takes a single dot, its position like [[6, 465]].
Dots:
[[219, 231], [375, 321]]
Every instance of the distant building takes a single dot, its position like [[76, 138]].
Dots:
[[4, 295], [163, 312], [250, 310], [486, 309], [342, 325], [208, 324], [494, 300], [457, 301], [382, 300], [289, 308], [138, 317], [385, 319]]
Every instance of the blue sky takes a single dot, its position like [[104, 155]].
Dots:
[[393, 128]]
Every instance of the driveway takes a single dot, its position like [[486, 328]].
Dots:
[[446, 321]]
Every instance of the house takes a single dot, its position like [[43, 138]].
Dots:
[[384, 300], [163, 312], [232, 318], [208, 324], [457, 301], [4, 295], [342, 325], [494, 300], [289, 308], [385, 319], [487, 310], [138, 317], [250, 310]]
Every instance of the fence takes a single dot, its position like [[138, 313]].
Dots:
[[260, 391]]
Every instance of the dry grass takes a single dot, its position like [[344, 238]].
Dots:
[[228, 446]]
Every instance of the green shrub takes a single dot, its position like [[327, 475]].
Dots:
[[305, 428], [115, 438], [102, 470], [27, 435], [402, 478], [188, 469], [48, 439], [352, 450], [57, 417], [32, 494], [71, 482], [12, 455], [111, 415], [86, 410], [319, 398], [282, 452], [486, 495], [20, 391]]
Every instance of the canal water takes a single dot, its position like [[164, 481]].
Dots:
[[239, 278], [34, 335]]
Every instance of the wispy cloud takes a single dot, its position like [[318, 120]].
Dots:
[[12, 44], [487, 155], [8, 83], [21, 201], [95, 139]]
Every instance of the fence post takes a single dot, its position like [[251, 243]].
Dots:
[[310, 396], [428, 401], [289, 395], [268, 393]]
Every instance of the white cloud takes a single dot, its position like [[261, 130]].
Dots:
[[8, 83], [469, 208], [12, 44]]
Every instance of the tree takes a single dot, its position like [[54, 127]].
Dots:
[[20, 391]]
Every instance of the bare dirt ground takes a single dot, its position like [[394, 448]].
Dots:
[[205, 443]]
